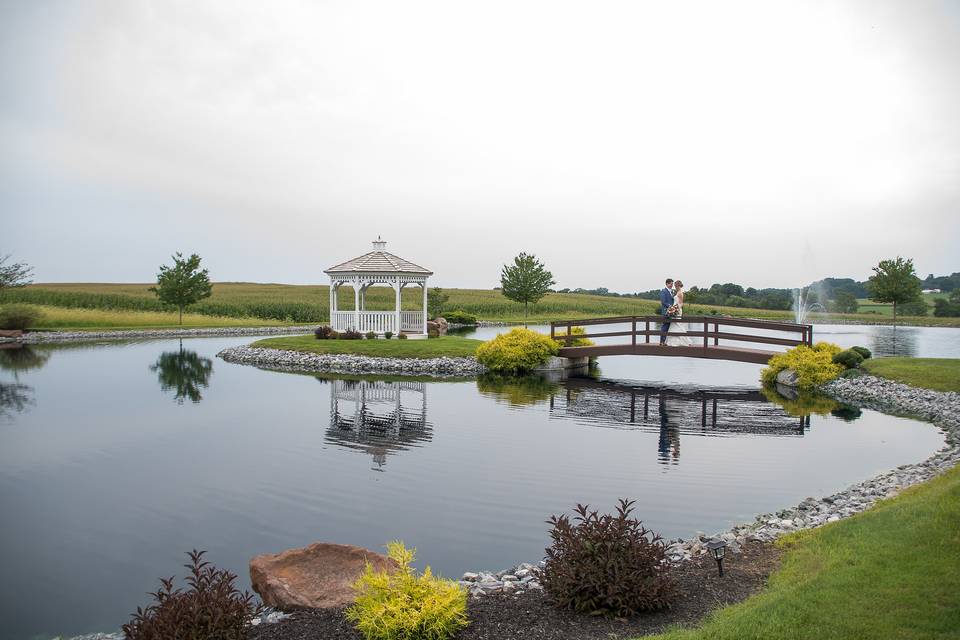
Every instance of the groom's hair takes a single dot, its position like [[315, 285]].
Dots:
[[669, 281]]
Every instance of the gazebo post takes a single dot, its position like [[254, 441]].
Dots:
[[356, 305], [423, 285], [396, 315], [333, 303]]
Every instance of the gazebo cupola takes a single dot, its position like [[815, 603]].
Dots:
[[378, 268]]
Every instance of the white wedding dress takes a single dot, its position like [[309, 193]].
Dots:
[[677, 333]]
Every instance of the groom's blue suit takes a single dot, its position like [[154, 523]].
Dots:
[[666, 300]]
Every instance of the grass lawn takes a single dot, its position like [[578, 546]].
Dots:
[[393, 348], [941, 374], [309, 303], [99, 319], [891, 572]]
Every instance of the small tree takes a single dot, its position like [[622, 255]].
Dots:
[[894, 281], [526, 280], [436, 299], [17, 274], [182, 284], [844, 302]]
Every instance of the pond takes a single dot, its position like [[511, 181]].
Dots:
[[115, 458]]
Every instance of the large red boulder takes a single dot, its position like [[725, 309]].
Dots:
[[318, 576]]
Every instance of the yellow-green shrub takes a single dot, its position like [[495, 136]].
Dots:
[[804, 404], [405, 606], [516, 351], [517, 390], [814, 365], [560, 337]]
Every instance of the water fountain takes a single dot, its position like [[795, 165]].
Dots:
[[802, 307]]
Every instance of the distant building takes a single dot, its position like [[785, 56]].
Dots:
[[930, 291]]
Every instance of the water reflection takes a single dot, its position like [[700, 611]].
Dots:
[[378, 417], [517, 391], [895, 341], [18, 358], [14, 398], [185, 372]]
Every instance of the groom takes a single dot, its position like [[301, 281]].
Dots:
[[666, 301]]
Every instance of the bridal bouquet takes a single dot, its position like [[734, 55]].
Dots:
[[673, 311]]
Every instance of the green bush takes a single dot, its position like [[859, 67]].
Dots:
[[350, 334], [387, 335], [405, 606], [814, 365], [848, 358], [19, 316], [607, 564], [324, 333], [516, 351], [371, 335], [918, 307], [460, 317], [803, 405], [560, 337], [863, 351]]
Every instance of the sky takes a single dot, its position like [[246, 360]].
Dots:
[[766, 143]]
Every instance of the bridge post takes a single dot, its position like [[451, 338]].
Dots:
[[706, 330], [810, 336], [633, 338], [716, 334], [647, 330], [553, 331]]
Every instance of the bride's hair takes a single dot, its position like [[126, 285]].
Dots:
[[678, 284]]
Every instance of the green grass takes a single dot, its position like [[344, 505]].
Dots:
[[432, 348], [865, 305], [890, 572], [940, 374], [98, 319], [309, 303]]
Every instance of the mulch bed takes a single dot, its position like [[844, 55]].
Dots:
[[531, 616]]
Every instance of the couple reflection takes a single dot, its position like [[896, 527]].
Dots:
[[668, 446], [184, 372]]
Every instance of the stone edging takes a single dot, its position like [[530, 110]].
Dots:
[[940, 408], [350, 363], [76, 336]]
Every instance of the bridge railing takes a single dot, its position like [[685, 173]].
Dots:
[[643, 328]]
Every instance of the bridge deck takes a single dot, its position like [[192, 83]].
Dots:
[[738, 354]]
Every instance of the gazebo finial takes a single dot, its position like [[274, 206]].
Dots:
[[378, 244]]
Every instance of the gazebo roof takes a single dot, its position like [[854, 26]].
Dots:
[[378, 261]]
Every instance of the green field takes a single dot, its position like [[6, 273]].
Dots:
[[867, 306], [890, 572], [67, 319], [449, 346], [940, 374], [309, 303]]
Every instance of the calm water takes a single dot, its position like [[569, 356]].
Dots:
[[116, 458]]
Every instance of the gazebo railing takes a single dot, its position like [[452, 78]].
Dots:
[[377, 321], [411, 321]]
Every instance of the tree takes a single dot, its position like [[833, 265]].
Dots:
[[17, 274], [183, 372], [526, 280], [917, 307], [436, 299], [894, 281], [948, 308], [182, 284], [844, 302]]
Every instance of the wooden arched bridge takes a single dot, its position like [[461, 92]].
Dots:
[[713, 337]]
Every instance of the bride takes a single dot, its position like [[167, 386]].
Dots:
[[677, 333]]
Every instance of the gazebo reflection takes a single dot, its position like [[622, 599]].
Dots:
[[378, 417]]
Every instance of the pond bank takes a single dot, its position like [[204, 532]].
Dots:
[[38, 337], [352, 363]]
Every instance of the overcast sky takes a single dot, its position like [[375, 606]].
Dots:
[[767, 143]]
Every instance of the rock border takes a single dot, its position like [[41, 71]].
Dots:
[[298, 361], [38, 337], [866, 391]]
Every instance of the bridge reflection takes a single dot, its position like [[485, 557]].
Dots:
[[674, 412], [377, 417]]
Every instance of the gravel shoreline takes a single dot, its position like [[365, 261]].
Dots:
[[37, 337], [348, 363]]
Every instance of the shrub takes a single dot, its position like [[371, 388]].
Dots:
[[324, 333], [460, 317], [851, 373], [516, 351], [387, 335], [863, 351], [803, 405], [350, 334], [334, 335], [608, 564], [517, 390], [401, 336], [848, 358], [814, 365], [210, 608], [560, 337], [371, 335], [19, 316], [405, 606]]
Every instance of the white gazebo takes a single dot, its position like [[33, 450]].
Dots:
[[378, 268]]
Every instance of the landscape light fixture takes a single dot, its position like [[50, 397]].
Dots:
[[717, 548]]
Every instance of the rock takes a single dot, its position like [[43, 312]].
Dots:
[[470, 577], [788, 378], [318, 576]]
